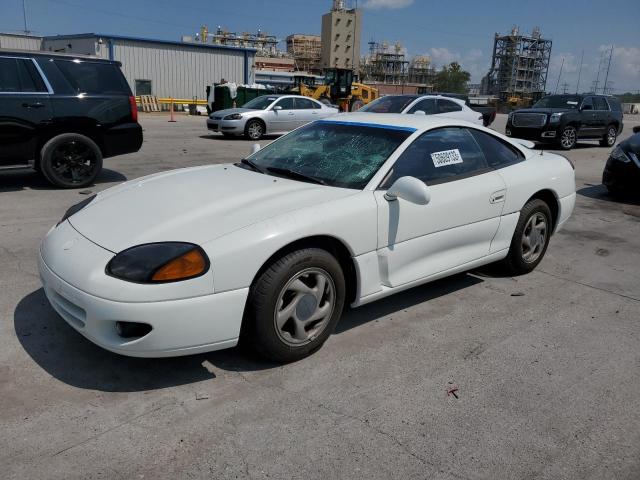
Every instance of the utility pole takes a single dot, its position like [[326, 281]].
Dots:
[[579, 73], [24, 16], [565, 88], [608, 67], [597, 82], [559, 75]]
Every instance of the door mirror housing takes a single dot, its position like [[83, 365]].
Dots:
[[277, 107], [410, 189], [255, 148], [419, 112]]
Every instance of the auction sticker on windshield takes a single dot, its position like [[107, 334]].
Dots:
[[446, 157]]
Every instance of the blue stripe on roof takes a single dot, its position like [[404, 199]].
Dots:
[[373, 125]]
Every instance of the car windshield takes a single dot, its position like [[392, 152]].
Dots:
[[260, 103], [337, 154], [390, 104], [558, 101]]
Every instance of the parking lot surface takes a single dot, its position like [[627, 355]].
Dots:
[[546, 366]]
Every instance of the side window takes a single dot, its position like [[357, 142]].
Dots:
[[19, 75], [614, 103], [587, 104], [599, 103], [285, 103], [446, 106], [303, 104], [93, 77], [439, 156], [428, 106], [497, 153]]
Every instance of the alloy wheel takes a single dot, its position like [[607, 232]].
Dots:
[[255, 130], [305, 306], [73, 162], [611, 136], [568, 138], [534, 237]]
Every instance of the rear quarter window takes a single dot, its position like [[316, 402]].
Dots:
[[93, 77], [614, 103]]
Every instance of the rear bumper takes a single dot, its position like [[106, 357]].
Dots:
[[121, 139], [179, 327]]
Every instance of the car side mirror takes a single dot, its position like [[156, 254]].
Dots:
[[277, 107], [410, 189], [419, 112], [636, 129], [255, 148]]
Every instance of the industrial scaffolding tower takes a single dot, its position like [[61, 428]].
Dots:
[[519, 67]]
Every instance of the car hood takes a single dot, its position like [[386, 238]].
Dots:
[[632, 144], [193, 205], [229, 111]]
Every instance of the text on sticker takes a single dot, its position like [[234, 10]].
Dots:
[[446, 157]]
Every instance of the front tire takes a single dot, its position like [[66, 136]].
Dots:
[[294, 305], [70, 160], [610, 137], [568, 138], [254, 129], [530, 239]]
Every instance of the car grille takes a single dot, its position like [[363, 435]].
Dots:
[[529, 119]]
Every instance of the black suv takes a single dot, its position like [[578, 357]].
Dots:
[[63, 114], [566, 118]]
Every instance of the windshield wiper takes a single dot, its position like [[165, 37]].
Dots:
[[285, 172], [246, 161]]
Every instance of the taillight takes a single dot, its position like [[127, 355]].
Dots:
[[134, 108]]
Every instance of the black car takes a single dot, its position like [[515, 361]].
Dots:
[[622, 171], [564, 119], [63, 114]]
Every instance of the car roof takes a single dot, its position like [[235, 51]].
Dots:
[[417, 122]]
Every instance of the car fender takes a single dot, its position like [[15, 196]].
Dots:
[[239, 255]]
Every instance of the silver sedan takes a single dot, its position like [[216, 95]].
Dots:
[[268, 114]]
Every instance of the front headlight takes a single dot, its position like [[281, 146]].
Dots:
[[555, 117], [619, 154], [159, 263], [233, 116], [76, 208]]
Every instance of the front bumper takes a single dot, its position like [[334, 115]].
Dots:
[[548, 133], [621, 175], [179, 327], [235, 127]]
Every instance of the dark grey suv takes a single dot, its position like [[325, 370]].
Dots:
[[62, 114], [565, 119]]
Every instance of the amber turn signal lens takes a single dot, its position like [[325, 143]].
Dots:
[[189, 265]]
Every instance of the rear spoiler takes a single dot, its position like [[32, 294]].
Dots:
[[524, 143]]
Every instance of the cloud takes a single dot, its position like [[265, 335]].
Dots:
[[390, 4], [472, 61]]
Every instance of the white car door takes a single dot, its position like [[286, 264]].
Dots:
[[283, 119], [305, 111], [457, 225]]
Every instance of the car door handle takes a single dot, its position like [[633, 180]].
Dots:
[[33, 105], [497, 197], [291, 113]]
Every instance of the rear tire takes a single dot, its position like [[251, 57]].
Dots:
[[70, 160], [294, 305], [610, 137], [530, 239]]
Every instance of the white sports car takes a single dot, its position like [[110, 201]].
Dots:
[[269, 249]]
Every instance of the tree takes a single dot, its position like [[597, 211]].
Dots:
[[451, 78]]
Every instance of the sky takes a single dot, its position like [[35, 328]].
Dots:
[[447, 31]]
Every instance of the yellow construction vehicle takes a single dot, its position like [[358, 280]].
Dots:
[[339, 89]]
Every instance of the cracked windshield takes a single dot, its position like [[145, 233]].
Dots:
[[335, 154]]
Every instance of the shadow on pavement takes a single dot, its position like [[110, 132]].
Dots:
[[69, 357], [23, 179], [600, 192]]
